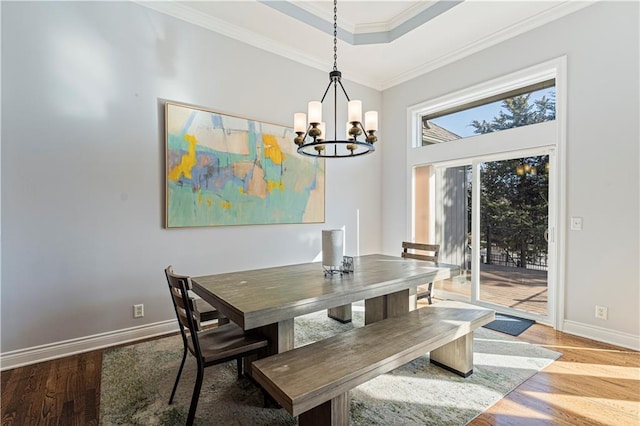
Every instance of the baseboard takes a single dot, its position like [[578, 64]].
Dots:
[[601, 334], [50, 351]]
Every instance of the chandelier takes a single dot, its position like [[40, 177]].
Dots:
[[311, 137]]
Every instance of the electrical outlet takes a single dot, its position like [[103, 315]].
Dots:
[[601, 312], [138, 311], [576, 224]]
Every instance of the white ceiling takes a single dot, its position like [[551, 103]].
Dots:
[[381, 43]]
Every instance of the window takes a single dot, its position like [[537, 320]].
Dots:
[[532, 104], [513, 126]]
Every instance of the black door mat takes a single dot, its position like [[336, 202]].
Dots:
[[509, 324]]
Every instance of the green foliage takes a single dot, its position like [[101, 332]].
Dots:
[[517, 112], [514, 192]]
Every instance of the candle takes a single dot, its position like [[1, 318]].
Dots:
[[332, 247], [371, 120], [355, 111], [300, 122], [315, 112]]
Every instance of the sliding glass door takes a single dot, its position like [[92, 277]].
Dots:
[[513, 233], [491, 218]]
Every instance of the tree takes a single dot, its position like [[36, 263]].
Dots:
[[514, 192]]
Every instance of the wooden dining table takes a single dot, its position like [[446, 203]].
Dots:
[[267, 300]]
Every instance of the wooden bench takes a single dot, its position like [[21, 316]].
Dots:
[[313, 381]]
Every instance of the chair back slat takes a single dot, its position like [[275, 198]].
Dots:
[[186, 309], [420, 251]]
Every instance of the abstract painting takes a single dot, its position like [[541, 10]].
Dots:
[[226, 170]]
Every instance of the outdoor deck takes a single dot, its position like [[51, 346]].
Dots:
[[517, 288]]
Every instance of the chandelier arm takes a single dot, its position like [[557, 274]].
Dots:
[[344, 91], [326, 91]]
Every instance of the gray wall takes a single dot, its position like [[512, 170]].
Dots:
[[83, 156], [83, 152], [601, 43]]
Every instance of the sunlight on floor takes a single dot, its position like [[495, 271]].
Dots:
[[559, 348], [582, 404], [587, 369], [508, 407], [402, 386]]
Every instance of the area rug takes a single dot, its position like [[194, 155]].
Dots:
[[509, 324], [137, 382]]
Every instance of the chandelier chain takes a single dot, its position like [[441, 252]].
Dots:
[[320, 145], [335, 35]]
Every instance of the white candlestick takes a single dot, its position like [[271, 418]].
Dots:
[[315, 112], [371, 120], [355, 111], [300, 122]]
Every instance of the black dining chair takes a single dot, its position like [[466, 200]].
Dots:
[[210, 347], [207, 312]]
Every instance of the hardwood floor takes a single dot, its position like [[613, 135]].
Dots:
[[65, 391], [591, 384]]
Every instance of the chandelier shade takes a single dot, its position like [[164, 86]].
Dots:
[[312, 139]]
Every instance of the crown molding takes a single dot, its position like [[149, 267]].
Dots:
[[188, 14], [497, 37], [371, 33], [371, 27], [192, 16]]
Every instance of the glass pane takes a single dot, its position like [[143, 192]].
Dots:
[[512, 111], [452, 219], [513, 233]]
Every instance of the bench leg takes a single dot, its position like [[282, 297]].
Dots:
[[340, 313], [334, 412], [456, 356]]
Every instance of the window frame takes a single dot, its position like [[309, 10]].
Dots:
[[549, 134]]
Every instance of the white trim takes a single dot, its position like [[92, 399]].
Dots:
[[474, 296], [195, 17], [529, 24], [601, 334], [64, 348], [549, 136], [560, 188], [489, 146], [188, 14], [516, 80]]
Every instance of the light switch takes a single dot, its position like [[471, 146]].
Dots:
[[576, 224]]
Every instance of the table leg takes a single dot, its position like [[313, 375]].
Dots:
[[388, 306], [456, 356], [280, 337], [340, 313], [413, 298]]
